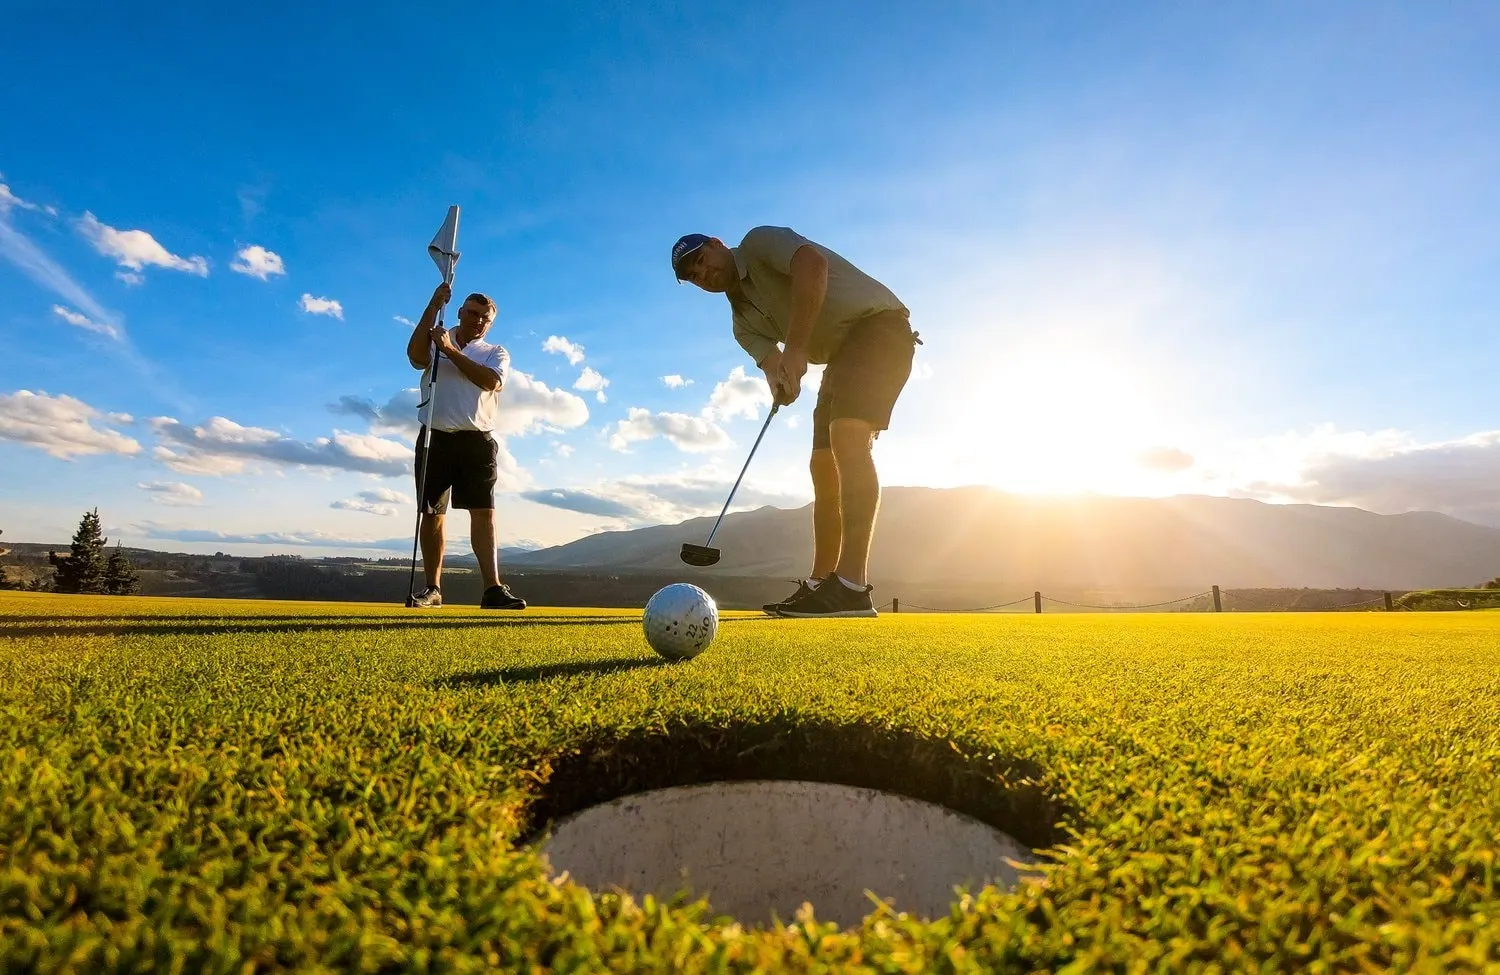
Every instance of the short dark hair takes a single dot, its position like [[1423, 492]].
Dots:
[[479, 296]]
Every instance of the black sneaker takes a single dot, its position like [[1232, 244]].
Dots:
[[802, 590], [428, 598], [500, 597], [832, 599]]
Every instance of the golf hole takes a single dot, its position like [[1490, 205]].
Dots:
[[758, 850], [761, 817]]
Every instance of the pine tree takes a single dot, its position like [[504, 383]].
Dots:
[[82, 570], [120, 578], [5, 582]]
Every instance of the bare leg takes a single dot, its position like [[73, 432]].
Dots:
[[859, 495], [482, 537], [432, 548], [828, 522]]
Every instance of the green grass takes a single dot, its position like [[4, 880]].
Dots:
[[234, 786]]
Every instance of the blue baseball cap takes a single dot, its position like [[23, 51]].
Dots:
[[685, 247]]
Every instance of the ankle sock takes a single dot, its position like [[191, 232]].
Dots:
[[812, 582], [849, 584]]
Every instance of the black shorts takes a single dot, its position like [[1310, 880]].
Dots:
[[461, 463], [866, 375]]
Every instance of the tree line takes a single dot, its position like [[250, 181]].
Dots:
[[86, 568]]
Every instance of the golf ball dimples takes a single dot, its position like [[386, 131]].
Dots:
[[681, 621]]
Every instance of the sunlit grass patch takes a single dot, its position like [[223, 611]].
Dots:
[[238, 784]]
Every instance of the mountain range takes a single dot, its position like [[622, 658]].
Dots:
[[969, 535]]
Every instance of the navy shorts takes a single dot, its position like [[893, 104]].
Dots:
[[866, 375], [461, 469]]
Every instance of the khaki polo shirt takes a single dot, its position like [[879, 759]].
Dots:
[[762, 304]]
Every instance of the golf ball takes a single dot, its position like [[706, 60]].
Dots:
[[681, 621]]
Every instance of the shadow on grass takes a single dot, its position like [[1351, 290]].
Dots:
[[539, 672], [18, 627], [222, 626], [1004, 792]]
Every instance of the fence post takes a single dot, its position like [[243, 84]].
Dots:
[[895, 604], [1388, 606], [1037, 598], [1218, 607]]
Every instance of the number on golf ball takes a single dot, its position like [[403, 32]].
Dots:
[[681, 621]]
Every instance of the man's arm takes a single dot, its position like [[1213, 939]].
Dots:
[[477, 373], [482, 376], [761, 347], [419, 346], [809, 288]]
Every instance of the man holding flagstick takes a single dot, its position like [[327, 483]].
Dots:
[[462, 376]]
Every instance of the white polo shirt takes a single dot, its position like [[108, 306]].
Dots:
[[459, 404]]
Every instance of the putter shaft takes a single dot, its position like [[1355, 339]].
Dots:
[[763, 428]]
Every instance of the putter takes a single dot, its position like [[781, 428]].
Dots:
[[704, 555], [444, 253]]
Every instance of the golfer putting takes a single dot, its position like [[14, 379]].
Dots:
[[456, 451], [795, 302]]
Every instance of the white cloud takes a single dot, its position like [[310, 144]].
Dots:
[[368, 507], [528, 405], [665, 499], [921, 371], [60, 425], [379, 501], [198, 462], [21, 251], [387, 496], [1167, 460], [739, 395], [560, 345], [591, 381], [563, 450], [129, 278], [221, 446], [405, 321], [322, 306], [257, 262], [1390, 474], [693, 434], [136, 249], [304, 539], [86, 323], [173, 494], [675, 381], [509, 475], [9, 201]]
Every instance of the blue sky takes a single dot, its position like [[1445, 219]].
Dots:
[[1169, 248]]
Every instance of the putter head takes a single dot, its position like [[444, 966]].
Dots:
[[699, 555]]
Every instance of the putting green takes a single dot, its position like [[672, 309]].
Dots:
[[238, 786]]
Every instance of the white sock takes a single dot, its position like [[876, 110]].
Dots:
[[812, 583], [851, 585]]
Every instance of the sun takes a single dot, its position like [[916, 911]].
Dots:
[[1058, 419]]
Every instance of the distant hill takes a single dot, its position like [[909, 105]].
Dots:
[[970, 535], [507, 553]]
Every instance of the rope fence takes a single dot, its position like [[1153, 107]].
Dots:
[[1214, 602]]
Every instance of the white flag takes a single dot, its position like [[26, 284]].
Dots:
[[444, 247]]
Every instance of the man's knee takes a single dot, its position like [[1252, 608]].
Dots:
[[481, 517], [851, 439], [822, 463], [432, 522]]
